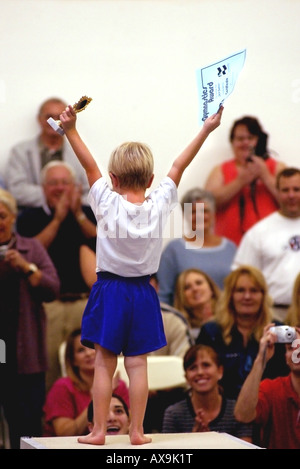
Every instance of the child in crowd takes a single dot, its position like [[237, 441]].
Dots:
[[123, 311], [118, 419]]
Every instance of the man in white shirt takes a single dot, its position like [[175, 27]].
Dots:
[[273, 244]]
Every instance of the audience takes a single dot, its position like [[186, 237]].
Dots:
[[64, 226], [204, 408], [273, 244], [273, 403], [66, 407], [26, 159], [244, 186], [196, 295], [242, 312], [293, 313], [200, 246], [118, 420], [28, 280], [228, 314]]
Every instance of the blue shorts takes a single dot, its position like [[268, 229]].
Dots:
[[123, 315]]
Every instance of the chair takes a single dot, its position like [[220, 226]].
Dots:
[[61, 358], [164, 372]]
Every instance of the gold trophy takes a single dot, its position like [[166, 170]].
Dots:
[[78, 107]]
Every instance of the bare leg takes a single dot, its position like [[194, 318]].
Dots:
[[105, 365], [136, 368]]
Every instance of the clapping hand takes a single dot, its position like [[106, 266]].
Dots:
[[201, 423]]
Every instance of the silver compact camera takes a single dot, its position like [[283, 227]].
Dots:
[[284, 334], [3, 250]]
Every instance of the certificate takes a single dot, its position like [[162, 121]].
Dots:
[[216, 82]]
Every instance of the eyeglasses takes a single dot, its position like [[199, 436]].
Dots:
[[242, 291], [47, 116], [58, 182]]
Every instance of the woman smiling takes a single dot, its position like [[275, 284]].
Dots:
[[205, 408], [243, 310]]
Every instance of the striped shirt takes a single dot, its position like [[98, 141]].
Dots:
[[180, 418]]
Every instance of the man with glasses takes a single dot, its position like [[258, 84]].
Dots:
[[26, 159]]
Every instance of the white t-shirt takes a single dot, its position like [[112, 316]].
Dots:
[[273, 246], [129, 236]]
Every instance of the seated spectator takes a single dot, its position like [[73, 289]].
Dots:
[[176, 328], [28, 280], [196, 295], [204, 408], [118, 420], [293, 313], [63, 225], [273, 244], [200, 247], [244, 186], [26, 159], [273, 404], [242, 312], [66, 407]]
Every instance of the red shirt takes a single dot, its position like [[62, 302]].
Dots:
[[278, 412], [65, 400], [229, 222]]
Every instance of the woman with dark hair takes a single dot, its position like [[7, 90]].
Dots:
[[205, 408], [118, 419], [65, 410], [244, 186]]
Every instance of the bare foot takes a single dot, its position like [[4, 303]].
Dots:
[[137, 438], [92, 439]]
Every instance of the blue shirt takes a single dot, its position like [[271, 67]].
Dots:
[[215, 261]]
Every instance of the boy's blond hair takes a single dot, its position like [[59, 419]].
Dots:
[[132, 163]]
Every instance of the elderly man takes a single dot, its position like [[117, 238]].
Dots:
[[26, 159]]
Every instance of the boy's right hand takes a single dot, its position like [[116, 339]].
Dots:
[[68, 118], [212, 122]]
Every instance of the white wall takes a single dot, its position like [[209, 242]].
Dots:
[[137, 60]]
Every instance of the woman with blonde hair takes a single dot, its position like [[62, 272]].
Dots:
[[242, 312], [195, 297], [293, 312]]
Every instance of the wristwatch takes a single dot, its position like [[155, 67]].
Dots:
[[32, 269]]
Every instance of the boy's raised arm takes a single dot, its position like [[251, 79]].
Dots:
[[68, 120], [185, 158]]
